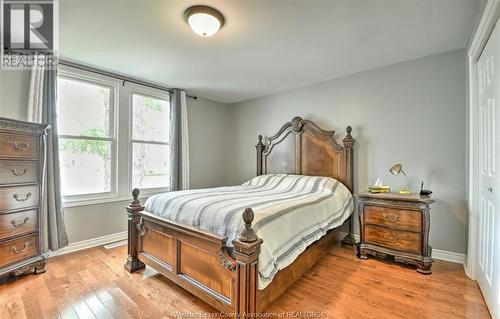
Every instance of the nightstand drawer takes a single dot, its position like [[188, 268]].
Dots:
[[394, 239], [394, 218]]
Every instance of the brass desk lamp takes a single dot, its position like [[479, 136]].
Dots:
[[396, 169]]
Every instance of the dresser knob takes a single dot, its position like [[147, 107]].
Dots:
[[389, 237], [16, 251], [19, 172], [21, 146], [16, 197], [391, 218], [15, 225]]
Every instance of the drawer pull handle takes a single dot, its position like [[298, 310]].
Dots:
[[19, 172], [13, 222], [16, 197], [389, 237], [391, 218], [16, 251], [21, 146]]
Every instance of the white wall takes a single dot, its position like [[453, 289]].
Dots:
[[411, 113], [14, 87], [208, 136], [208, 122]]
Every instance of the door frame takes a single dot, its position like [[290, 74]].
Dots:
[[475, 46]]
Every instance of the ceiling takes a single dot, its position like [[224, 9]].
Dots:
[[265, 47]]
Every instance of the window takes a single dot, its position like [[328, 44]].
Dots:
[[112, 137], [150, 141], [86, 136]]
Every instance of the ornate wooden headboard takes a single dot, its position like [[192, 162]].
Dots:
[[302, 147]]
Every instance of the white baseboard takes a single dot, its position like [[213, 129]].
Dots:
[[89, 243], [436, 253], [448, 256]]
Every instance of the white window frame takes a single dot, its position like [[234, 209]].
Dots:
[[113, 85], [156, 94]]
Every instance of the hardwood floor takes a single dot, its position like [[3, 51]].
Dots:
[[339, 286]]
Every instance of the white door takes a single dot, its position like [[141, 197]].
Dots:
[[489, 188]]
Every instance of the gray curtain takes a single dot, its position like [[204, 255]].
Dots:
[[42, 109], [53, 209], [179, 145]]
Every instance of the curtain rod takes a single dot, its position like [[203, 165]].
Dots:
[[118, 76]]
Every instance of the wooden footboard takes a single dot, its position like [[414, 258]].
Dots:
[[199, 261], [196, 260]]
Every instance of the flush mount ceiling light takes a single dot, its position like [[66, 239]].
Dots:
[[204, 21]]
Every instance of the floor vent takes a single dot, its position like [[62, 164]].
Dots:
[[113, 245]]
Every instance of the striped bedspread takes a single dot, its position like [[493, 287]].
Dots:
[[291, 212]]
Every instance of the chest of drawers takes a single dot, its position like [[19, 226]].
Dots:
[[22, 154], [396, 225]]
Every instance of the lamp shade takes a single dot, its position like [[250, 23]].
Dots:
[[396, 169]]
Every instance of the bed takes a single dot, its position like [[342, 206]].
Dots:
[[239, 248]]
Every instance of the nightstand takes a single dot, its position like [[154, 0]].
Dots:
[[396, 225]]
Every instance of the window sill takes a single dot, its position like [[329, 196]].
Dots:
[[97, 201], [103, 199]]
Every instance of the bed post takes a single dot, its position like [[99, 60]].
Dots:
[[246, 253], [260, 148], [349, 156], [133, 263]]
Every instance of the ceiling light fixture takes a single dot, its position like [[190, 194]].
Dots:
[[204, 21]]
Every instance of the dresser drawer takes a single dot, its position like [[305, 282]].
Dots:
[[18, 223], [18, 197], [16, 250], [19, 146], [394, 239], [17, 172], [395, 218]]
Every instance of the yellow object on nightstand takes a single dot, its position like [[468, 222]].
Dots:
[[379, 189]]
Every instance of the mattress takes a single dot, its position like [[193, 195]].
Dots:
[[291, 212]]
